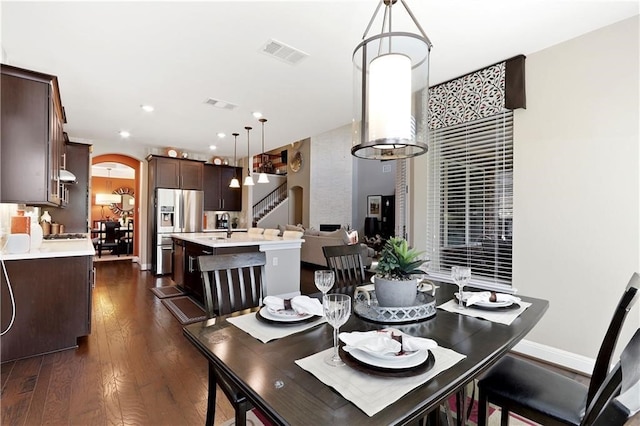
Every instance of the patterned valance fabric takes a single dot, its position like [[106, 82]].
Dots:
[[480, 94]]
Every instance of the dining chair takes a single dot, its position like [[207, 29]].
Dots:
[[544, 396], [346, 263], [271, 232], [255, 231], [232, 282], [618, 400], [292, 235], [109, 238]]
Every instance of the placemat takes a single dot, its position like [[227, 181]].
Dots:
[[369, 393], [266, 332], [502, 317]]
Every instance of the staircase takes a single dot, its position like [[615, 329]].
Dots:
[[268, 203]]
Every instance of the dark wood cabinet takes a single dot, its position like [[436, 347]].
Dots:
[[75, 215], [32, 140], [177, 272], [217, 194], [52, 302], [174, 173]]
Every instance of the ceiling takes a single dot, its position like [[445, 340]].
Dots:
[[112, 57]]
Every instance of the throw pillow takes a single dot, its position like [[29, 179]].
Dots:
[[312, 232], [298, 228]]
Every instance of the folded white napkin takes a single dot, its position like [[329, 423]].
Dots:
[[382, 342], [473, 297], [300, 304]]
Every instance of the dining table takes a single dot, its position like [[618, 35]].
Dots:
[[274, 373]]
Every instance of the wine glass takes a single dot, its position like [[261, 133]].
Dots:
[[337, 308], [461, 276], [324, 280]]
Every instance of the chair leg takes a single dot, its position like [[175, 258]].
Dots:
[[211, 398], [504, 417], [483, 409], [461, 399], [241, 413]]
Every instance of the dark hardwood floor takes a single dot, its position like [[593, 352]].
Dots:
[[135, 368]]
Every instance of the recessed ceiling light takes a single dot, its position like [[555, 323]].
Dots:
[[147, 108], [212, 147], [221, 135], [124, 134], [257, 114]]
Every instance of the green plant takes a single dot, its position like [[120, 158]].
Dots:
[[398, 261]]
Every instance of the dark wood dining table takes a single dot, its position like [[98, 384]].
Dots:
[[289, 395]]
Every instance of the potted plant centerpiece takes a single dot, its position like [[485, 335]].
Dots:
[[395, 284]]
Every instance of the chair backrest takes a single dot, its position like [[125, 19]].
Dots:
[[618, 398], [346, 263], [272, 232], [292, 235], [603, 360], [232, 282], [111, 233], [255, 231]]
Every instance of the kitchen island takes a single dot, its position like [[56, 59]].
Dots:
[[51, 286], [282, 271]]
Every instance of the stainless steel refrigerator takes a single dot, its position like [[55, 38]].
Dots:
[[177, 211]]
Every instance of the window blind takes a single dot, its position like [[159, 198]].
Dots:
[[470, 199]]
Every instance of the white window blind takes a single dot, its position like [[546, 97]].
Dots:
[[470, 199]]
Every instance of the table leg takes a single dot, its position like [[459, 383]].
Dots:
[[211, 398]]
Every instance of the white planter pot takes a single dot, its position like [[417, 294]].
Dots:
[[393, 293]]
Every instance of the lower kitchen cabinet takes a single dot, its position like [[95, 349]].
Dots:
[[52, 305]]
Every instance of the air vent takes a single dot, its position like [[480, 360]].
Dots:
[[220, 104], [283, 52]]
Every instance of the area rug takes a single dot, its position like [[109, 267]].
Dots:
[[166, 291], [254, 418], [494, 414], [185, 309]]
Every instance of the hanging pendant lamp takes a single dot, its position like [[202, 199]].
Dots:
[[263, 178], [248, 181], [235, 183], [391, 89]]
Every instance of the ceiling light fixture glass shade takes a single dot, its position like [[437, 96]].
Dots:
[[262, 178], [391, 89], [235, 183], [248, 181]]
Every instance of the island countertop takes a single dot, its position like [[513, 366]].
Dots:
[[55, 248], [219, 239]]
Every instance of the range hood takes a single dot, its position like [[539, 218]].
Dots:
[[67, 177]]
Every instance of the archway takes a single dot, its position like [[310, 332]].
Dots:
[[135, 165]]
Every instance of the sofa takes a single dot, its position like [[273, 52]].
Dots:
[[311, 251]]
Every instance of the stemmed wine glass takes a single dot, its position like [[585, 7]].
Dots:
[[324, 279], [461, 276], [337, 309]]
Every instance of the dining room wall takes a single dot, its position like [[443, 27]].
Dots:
[[577, 187]]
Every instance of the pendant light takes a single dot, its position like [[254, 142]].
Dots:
[[235, 183], [263, 176], [248, 181], [391, 89]]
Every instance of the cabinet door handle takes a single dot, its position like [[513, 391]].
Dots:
[[191, 268]]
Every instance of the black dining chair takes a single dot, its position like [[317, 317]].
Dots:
[[109, 238], [544, 396], [346, 263], [232, 282], [618, 399]]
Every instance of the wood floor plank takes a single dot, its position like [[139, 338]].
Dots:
[[19, 388]]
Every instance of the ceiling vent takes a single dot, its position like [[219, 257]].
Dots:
[[283, 52], [220, 104]]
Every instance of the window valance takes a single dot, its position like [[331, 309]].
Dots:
[[479, 94]]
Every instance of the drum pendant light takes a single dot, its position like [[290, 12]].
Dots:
[[248, 181], [235, 183], [391, 88], [263, 178]]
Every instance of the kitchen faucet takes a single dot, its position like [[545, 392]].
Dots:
[[228, 222]]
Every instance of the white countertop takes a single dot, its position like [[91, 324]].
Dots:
[[219, 239], [55, 248]]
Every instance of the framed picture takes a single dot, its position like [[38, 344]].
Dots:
[[374, 204]]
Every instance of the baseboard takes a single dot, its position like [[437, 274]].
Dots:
[[568, 360]]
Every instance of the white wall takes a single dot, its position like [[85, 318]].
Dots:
[[576, 185]]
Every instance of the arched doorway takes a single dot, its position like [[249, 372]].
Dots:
[[97, 211]]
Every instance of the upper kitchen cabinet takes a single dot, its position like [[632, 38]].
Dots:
[[217, 194], [174, 173], [31, 141]]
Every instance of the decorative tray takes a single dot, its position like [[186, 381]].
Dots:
[[423, 308]]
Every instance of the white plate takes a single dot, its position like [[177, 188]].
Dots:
[[283, 316], [387, 357], [486, 304], [416, 359]]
